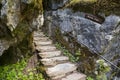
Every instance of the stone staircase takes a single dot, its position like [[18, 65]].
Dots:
[[57, 66]]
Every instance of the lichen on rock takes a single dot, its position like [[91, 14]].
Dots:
[[18, 20]]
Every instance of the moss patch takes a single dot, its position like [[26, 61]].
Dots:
[[15, 72], [99, 6]]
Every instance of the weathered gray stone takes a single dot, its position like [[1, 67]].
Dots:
[[57, 66], [50, 54], [58, 77], [40, 38], [4, 45], [38, 22], [102, 38], [38, 34], [11, 12], [11, 9], [75, 76], [98, 38], [55, 60], [46, 48], [43, 43], [61, 69]]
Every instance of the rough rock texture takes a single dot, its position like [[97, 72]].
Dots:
[[54, 4], [98, 37], [18, 19], [91, 34], [11, 11], [57, 66], [3, 46]]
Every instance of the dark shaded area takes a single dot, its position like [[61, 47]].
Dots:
[[47, 5], [4, 31], [97, 18], [17, 52], [22, 35]]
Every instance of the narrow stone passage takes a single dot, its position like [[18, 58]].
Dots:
[[57, 66]]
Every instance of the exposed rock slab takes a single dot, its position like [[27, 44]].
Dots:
[[39, 34], [61, 69], [75, 76], [40, 38], [57, 66], [43, 43], [55, 60], [46, 48], [58, 77], [96, 37], [50, 54]]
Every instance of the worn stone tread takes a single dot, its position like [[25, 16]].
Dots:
[[41, 39], [55, 60], [40, 34], [43, 43], [60, 69], [50, 54], [57, 66], [58, 77], [46, 48], [75, 76]]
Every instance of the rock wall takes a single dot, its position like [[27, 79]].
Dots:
[[18, 19], [98, 32]]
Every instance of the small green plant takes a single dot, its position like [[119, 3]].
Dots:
[[15, 72], [89, 78], [101, 69], [67, 53]]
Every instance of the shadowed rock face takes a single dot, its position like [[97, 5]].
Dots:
[[54, 4], [5, 35], [4, 31], [18, 19]]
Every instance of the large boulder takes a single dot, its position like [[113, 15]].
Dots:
[[98, 37], [18, 19]]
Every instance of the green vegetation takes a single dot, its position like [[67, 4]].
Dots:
[[38, 4], [67, 53], [15, 72], [73, 2], [101, 69], [95, 7], [89, 78]]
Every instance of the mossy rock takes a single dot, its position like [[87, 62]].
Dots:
[[95, 7]]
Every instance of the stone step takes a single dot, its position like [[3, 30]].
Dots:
[[40, 38], [55, 60], [43, 43], [75, 76], [61, 69], [58, 77], [38, 34], [50, 54], [57, 66], [46, 48]]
